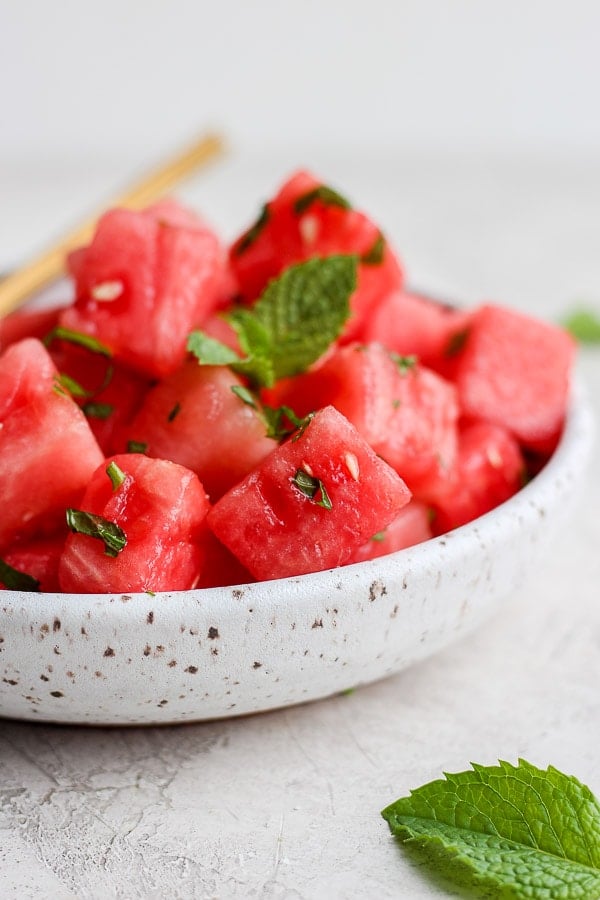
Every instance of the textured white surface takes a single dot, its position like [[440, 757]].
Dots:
[[286, 805]]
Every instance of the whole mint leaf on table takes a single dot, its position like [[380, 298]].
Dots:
[[513, 831]]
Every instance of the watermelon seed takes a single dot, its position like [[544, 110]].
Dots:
[[107, 291]]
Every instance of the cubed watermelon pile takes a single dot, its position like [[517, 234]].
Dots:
[[201, 416]]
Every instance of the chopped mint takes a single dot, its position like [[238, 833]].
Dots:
[[98, 410], [404, 363], [15, 580], [583, 325], [112, 535], [374, 255], [378, 537], [137, 446], [116, 475], [313, 488], [174, 412], [72, 386], [325, 194], [457, 342], [510, 831], [210, 352], [249, 236]]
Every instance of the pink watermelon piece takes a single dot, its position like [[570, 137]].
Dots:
[[194, 418], [38, 558], [489, 469], [310, 503], [47, 450], [411, 526], [514, 372], [161, 508], [144, 282]]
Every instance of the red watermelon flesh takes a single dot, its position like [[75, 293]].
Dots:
[[489, 470], [276, 529], [411, 324], [514, 372], [195, 419], [47, 451], [161, 508], [321, 228], [411, 526], [144, 282]]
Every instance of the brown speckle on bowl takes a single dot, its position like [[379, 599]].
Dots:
[[213, 633]]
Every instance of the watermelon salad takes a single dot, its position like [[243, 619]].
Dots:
[[201, 415]]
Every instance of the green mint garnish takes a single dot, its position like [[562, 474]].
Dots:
[[79, 338], [374, 255], [313, 488], [14, 580], [323, 193], [583, 325], [378, 537], [292, 324], [174, 412], [457, 342], [137, 446], [404, 363], [116, 475], [245, 395], [98, 410], [73, 387], [210, 352], [513, 831], [112, 535], [280, 422], [249, 236]]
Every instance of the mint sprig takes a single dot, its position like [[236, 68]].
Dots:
[[292, 324], [515, 831], [327, 195]]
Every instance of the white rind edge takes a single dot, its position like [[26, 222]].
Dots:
[[189, 656]]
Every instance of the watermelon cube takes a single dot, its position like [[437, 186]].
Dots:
[[489, 469], [194, 418], [311, 503], [38, 558], [144, 282], [47, 450], [514, 372], [160, 508]]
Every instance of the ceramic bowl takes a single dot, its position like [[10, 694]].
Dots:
[[204, 654]]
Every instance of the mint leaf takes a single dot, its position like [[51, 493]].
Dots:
[[583, 325], [291, 325], [210, 352], [323, 193], [517, 831], [297, 317], [250, 236], [112, 535], [282, 421], [15, 580], [404, 363]]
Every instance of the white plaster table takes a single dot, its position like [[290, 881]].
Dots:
[[286, 805]]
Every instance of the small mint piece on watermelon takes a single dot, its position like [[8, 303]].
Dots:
[[583, 325], [325, 194], [249, 237], [14, 580], [110, 533], [374, 255], [117, 476], [210, 352], [79, 338]]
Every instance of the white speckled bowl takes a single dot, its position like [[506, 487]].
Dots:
[[185, 656]]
